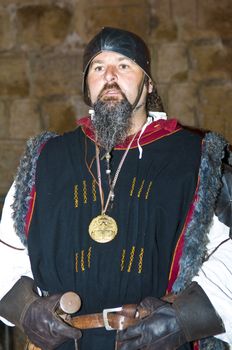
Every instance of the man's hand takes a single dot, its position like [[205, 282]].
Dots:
[[160, 330], [36, 316], [168, 326]]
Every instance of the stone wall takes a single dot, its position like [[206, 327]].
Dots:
[[41, 46]]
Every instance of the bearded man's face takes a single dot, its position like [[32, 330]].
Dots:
[[113, 82]]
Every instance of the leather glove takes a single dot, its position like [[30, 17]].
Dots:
[[36, 316], [168, 326]]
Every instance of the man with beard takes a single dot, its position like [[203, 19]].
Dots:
[[128, 209]]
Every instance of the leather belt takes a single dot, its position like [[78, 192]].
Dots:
[[112, 319]]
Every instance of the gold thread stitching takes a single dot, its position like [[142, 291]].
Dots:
[[140, 266], [94, 190], [141, 188], [84, 192], [76, 201], [76, 262], [82, 260], [89, 256], [132, 253], [148, 189], [123, 259], [132, 186]]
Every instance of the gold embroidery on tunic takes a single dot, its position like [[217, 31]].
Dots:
[[89, 256], [82, 260], [94, 190], [132, 186], [132, 253], [141, 188], [148, 190], [76, 201], [76, 262], [140, 266], [123, 259], [84, 192]]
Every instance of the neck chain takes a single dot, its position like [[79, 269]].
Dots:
[[103, 228]]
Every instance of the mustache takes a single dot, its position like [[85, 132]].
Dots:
[[109, 86]]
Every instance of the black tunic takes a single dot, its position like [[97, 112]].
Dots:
[[152, 198]]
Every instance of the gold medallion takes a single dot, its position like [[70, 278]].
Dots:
[[103, 228]]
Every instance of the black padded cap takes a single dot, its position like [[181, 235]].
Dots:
[[120, 41]]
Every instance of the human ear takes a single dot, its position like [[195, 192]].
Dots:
[[150, 86]]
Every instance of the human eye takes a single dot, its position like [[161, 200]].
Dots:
[[124, 66], [98, 68]]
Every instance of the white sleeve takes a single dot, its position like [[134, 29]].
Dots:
[[215, 276], [14, 262]]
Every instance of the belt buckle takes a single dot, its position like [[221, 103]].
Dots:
[[105, 317]]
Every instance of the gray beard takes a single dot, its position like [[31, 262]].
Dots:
[[111, 122]]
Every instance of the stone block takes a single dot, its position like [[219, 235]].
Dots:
[[81, 109], [131, 17], [154, 49], [210, 61], [24, 119], [40, 25], [57, 74], [185, 11], [182, 103], [61, 116], [192, 33], [223, 60], [216, 16], [13, 75], [4, 121], [23, 2], [171, 64], [163, 31], [10, 153], [104, 3], [6, 31], [162, 9], [215, 107], [163, 93]]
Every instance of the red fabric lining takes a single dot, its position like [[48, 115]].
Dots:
[[154, 131], [179, 247], [196, 345]]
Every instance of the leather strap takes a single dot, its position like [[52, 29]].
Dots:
[[111, 319]]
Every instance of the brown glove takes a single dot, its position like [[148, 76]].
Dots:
[[190, 317], [36, 316]]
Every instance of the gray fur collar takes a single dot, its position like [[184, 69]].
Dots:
[[24, 182], [196, 236], [197, 231]]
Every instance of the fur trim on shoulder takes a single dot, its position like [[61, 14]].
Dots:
[[196, 236], [24, 181], [230, 158], [213, 343]]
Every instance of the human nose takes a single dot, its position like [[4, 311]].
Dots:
[[110, 74]]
